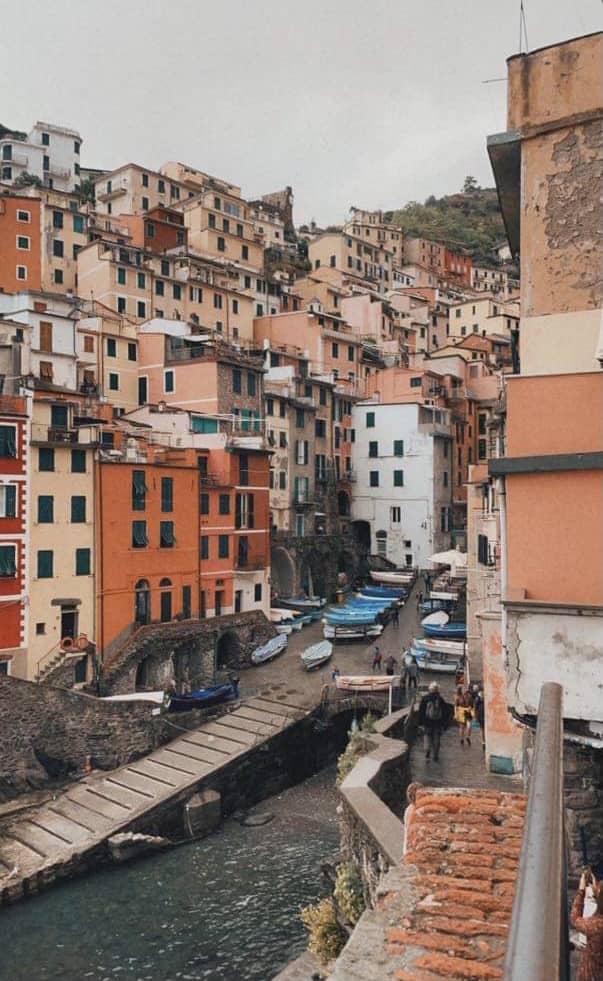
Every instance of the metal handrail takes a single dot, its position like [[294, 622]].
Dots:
[[538, 946]]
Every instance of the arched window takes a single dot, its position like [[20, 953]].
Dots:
[[142, 603], [381, 537], [165, 600]]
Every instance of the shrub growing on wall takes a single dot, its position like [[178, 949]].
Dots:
[[348, 892], [326, 937]]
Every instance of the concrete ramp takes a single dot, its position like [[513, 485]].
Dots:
[[54, 840]]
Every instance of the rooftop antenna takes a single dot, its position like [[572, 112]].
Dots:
[[523, 29]]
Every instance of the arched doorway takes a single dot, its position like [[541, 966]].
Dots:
[[282, 572], [142, 675], [166, 600], [142, 603], [343, 504], [362, 534], [228, 651]]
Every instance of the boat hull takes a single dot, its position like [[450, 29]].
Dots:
[[368, 683], [449, 631], [433, 661], [393, 578], [204, 697], [268, 651], [335, 632], [317, 655]]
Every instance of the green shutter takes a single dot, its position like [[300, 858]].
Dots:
[[166, 534], [8, 445], [204, 547], [398, 478], [10, 500], [8, 567], [82, 561], [78, 510], [398, 447], [46, 460], [167, 494], [45, 564], [139, 534], [223, 547], [45, 509], [78, 461], [202, 424], [139, 490]]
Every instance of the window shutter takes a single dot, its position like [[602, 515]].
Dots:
[[250, 511], [8, 566], [10, 500], [7, 441]]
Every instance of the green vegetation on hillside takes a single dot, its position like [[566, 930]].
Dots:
[[471, 219]]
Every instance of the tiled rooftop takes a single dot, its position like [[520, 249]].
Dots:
[[443, 914]]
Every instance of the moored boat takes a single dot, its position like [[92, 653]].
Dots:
[[358, 632], [392, 578], [283, 628], [447, 663], [437, 619], [302, 602], [316, 655], [274, 647], [204, 697], [384, 592], [433, 644], [369, 682], [449, 631]]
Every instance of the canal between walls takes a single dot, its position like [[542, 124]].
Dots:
[[225, 908]]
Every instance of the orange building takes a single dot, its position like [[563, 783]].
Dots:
[[148, 541], [21, 267], [158, 230]]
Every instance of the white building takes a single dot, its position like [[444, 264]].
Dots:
[[49, 152], [402, 456], [52, 320]]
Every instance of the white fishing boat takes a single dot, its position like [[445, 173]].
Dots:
[[445, 597], [303, 603], [274, 647], [444, 661], [392, 578], [283, 628], [438, 619], [317, 654], [368, 682], [278, 615], [435, 644], [338, 632]]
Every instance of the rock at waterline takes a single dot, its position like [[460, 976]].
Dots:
[[129, 845]]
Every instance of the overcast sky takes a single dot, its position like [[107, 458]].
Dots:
[[353, 102]]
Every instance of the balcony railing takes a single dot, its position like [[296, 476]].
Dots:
[[538, 947], [245, 564]]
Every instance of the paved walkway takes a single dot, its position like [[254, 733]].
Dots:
[[44, 843]]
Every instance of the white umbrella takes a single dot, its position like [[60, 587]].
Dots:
[[452, 557], [437, 619]]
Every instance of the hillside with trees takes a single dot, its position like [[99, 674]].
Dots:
[[470, 219]]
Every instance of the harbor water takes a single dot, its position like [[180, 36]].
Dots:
[[222, 909]]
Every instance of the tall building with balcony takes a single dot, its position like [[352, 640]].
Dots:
[[550, 471], [132, 189], [51, 323], [49, 152], [352, 260], [14, 506]]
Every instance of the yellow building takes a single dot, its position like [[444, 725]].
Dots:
[[371, 227], [63, 232], [131, 189], [218, 225], [107, 357], [361, 262], [484, 316], [61, 571]]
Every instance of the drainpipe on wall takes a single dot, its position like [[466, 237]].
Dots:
[[502, 503]]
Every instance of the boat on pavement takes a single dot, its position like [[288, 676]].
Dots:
[[369, 682], [437, 619], [393, 578], [384, 592], [449, 631], [433, 644], [302, 602], [204, 697], [317, 654], [445, 661], [274, 647], [352, 632]]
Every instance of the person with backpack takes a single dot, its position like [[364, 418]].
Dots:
[[432, 716]]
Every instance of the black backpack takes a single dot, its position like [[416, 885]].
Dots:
[[433, 709]]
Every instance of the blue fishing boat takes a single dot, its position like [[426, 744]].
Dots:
[[384, 592], [205, 697], [351, 619], [450, 631], [443, 661]]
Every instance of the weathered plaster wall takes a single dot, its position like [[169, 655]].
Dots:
[[543, 342], [503, 735], [556, 644]]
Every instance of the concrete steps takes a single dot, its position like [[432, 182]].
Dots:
[[53, 840]]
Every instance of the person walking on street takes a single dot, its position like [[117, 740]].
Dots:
[[396, 617], [591, 963], [478, 711], [376, 658], [432, 716], [463, 713], [412, 671], [419, 600], [390, 664]]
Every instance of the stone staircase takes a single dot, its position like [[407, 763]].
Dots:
[[65, 834]]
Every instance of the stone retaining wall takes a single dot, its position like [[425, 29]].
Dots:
[[47, 733], [373, 799]]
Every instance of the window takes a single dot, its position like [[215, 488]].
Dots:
[[78, 223], [121, 304], [132, 352], [398, 478], [320, 428], [45, 562], [221, 244], [8, 501], [482, 550], [141, 309], [395, 515], [370, 420], [82, 561], [251, 383], [204, 503], [57, 219], [8, 444], [217, 301], [176, 291], [416, 382], [7, 152], [46, 162], [8, 561], [45, 460], [224, 504], [236, 380], [111, 347], [159, 287], [22, 272], [113, 381], [373, 478], [45, 139], [257, 592], [78, 461], [139, 534], [335, 350], [204, 549], [145, 204], [166, 534], [150, 229], [58, 249], [145, 180], [282, 480], [167, 494], [223, 546], [141, 281], [445, 478], [168, 381], [482, 449], [282, 440], [45, 510], [23, 243], [269, 407], [351, 352], [300, 418], [7, 173], [78, 510], [139, 490]]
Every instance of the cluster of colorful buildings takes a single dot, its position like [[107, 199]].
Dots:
[[199, 403]]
